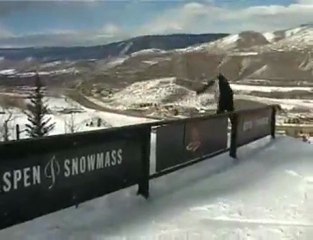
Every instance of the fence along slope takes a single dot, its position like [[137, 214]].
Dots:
[[40, 176], [190, 140], [251, 125]]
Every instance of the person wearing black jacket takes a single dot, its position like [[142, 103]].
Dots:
[[225, 98]]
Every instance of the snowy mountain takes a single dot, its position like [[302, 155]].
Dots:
[[116, 49], [295, 39], [157, 92], [271, 59], [239, 41], [65, 65], [283, 57], [244, 55]]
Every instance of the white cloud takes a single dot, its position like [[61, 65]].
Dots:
[[64, 37], [205, 17], [308, 2], [5, 33], [192, 17], [111, 29]]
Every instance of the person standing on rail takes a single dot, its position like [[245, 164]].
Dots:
[[224, 95]]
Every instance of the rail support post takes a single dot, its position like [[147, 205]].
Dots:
[[233, 137], [143, 186], [18, 131], [273, 122]]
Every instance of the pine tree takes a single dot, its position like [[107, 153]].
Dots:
[[39, 125]]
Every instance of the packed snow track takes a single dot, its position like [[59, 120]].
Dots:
[[269, 195]]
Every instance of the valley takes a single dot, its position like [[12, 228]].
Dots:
[[160, 83]]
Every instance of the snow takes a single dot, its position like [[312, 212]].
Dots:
[[291, 32], [287, 104], [298, 39], [116, 61], [261, 70], [61, 103], [51, 64], [29, 59], [55, 72], [63, 121], [239, 87], [244, 54], [219, 45], [269, 36], [31, 74], [125, 49], [67, 70], [230, 39], [267, 196], [7, 71], [304, 33], [225, 43], [196, 48], [150, 62], [160, 92], [154, 90], [79, 120], [165, 91], [151, 91], [307, 63], [147, 52]]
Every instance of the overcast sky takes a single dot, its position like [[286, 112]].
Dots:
[[89, 22]]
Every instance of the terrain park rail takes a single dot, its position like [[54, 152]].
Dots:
[[44, 175]]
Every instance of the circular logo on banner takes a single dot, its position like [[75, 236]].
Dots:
[[195, 140], [52, 170]]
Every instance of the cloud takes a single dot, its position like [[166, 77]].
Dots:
[[175, 20], [192, 17], [5, 33], [305, 2], [203, 17], [111, 29], [7, 7], [64, 37]]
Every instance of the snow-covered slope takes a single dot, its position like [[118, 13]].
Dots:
[[297, 40], [81, 120], [13, 72], [294, 39], [151, 51], [269, 195], [247, 88], [270, 37], [159, 92], [286, 104], [225, 43], [8, 72], [241, 40]]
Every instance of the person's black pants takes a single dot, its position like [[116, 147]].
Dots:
[[220, 111]]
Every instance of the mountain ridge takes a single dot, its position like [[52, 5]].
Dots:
[[115, 49]]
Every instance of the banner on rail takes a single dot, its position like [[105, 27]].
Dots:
[[253, 125], [170, 146], [205, 137], [34, 183], [179, 143]]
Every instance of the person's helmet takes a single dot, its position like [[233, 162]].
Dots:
[[221, 77]]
